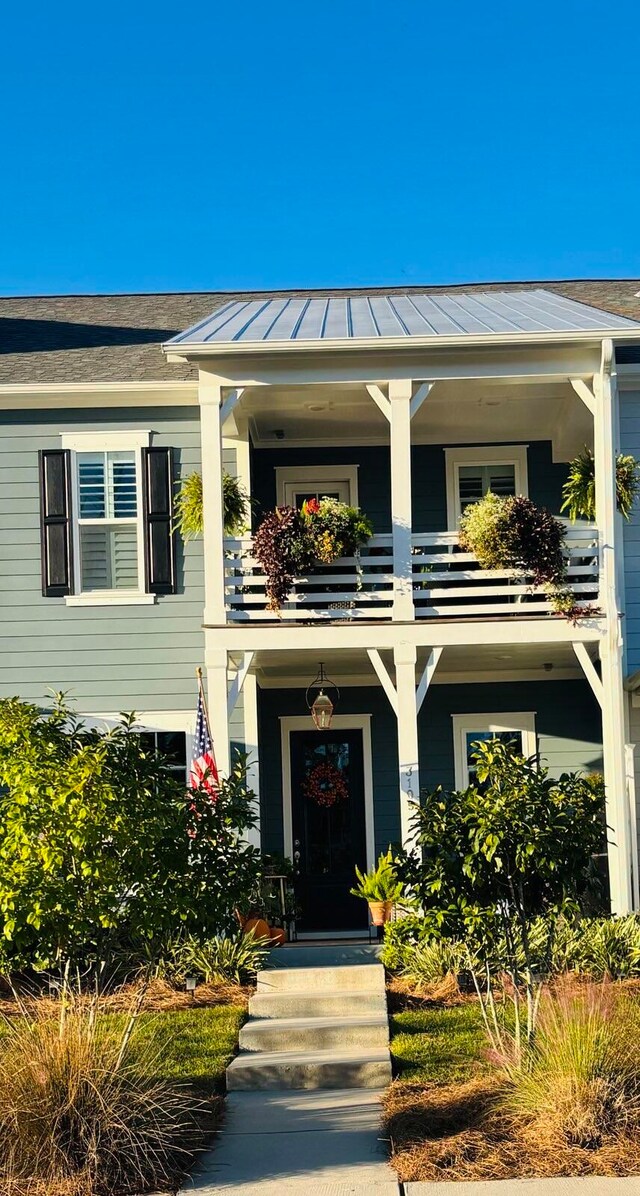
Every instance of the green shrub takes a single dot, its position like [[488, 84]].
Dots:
[[608, 947], [100, 842], [428, 962], [232, 959], [400, 939]]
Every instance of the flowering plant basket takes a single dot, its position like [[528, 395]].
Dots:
[[334, 528], [288, 542]]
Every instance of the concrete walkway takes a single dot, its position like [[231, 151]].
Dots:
[[303, 1107], [324, 1143], [592, 1185], [303, 1111]]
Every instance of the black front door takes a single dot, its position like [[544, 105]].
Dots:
[[327, 789]]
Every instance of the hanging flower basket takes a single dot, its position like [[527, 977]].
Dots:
[[326, 785]]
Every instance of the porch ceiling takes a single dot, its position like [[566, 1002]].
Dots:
[[460, 664], [472, 411]]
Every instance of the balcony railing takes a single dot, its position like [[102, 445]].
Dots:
[[447, 582]]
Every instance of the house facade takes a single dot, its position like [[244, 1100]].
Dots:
[[407, 404]]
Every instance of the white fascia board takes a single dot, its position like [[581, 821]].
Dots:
[[190, 350], [27, 395], [245, 636]]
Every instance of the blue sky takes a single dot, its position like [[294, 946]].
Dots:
[[350, 142]]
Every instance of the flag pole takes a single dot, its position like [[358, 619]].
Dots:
[[204, 700]]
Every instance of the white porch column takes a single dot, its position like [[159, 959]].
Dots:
[[404, 658], [217, 691], [400, 391], [614, 706], [212, 501]]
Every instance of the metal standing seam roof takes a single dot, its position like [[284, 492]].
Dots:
[[396, 316]]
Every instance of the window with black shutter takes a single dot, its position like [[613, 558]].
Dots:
[[55, 523], [157, 466]]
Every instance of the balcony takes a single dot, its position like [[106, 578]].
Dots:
[[446, 582]]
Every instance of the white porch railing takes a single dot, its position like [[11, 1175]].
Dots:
[[446, 582]]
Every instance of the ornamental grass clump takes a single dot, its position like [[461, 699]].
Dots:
[[84, 1109], [580, 1082]]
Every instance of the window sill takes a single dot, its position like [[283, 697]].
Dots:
[[111, 599]]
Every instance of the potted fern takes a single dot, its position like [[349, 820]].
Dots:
[[189, 520], [579, 490], [380, 888]]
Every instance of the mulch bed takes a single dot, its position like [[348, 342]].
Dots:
[[160, 997], [459, 1132]]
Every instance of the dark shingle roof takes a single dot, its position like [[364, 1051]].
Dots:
[[117, 338]]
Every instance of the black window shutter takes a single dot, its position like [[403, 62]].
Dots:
[[157, 510], [55, 522]]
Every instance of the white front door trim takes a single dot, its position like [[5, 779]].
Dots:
[[340, 722]]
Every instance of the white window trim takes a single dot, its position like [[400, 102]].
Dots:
[[523, 721], [500, 454], [152, 720], [299, 477], [339, 722], [104, 442]]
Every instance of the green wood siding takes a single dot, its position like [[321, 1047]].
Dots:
[[567, 725], [107, 658], [374, 483]]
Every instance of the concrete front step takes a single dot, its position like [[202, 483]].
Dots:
[[355, 1068], [313, 1004], [355, 978], [315, 1033]]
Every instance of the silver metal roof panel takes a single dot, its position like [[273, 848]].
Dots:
[[344, 318]]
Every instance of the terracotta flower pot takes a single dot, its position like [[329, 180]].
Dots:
[[380, 912]]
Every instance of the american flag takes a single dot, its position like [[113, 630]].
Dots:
[[204, 770]]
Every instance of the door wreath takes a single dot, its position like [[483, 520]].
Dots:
[[326, 785]]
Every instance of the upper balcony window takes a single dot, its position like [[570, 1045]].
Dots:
[[295, 484], [473, 472]]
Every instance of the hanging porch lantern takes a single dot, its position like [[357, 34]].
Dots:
[[322, 706]]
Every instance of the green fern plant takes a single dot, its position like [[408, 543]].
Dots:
[[189, 520], [381, 884], [579, 490]]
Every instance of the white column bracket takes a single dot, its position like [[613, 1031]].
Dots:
[[384, 678], [583, 392], [589, 671], [230, 403], [427, 675], [380, 399], [238, 682], [422, 393]]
